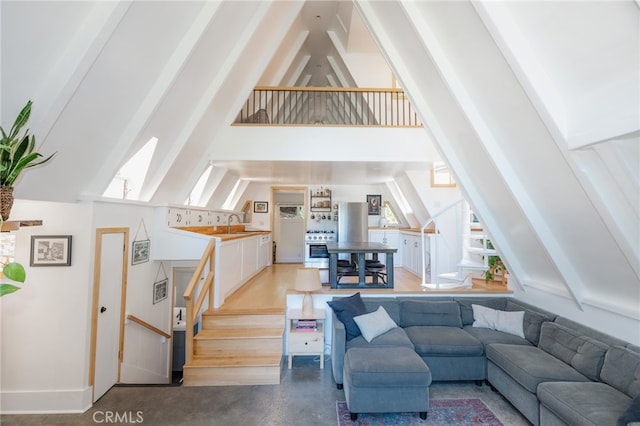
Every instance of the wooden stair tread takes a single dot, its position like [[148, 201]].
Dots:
[[240, 333], [262, 360], [248, 311]]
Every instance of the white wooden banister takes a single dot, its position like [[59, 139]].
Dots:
[[193, 310], [148, 326], [431, 220]]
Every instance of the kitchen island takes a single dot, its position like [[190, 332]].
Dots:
[[360, 250]]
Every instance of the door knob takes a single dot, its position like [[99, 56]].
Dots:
[[103, 309]]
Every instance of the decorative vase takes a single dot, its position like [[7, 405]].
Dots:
[[6, 201]]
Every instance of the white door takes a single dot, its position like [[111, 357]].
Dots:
[[111, 255], [289, 233]]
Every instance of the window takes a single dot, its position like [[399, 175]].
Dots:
[[291, 212], [441, 176], [127, 183], [390, 214], [195, 197]]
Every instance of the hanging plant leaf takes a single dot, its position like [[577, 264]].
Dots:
[[8, 289], [15, 272]]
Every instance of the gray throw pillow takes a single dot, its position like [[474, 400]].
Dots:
[[346, 308]]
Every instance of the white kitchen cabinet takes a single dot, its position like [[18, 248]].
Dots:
[[177, 217], [390, 237], [199, 218], [249, 257], [412, 252], [237, 261], [264, 251], [228, 266]]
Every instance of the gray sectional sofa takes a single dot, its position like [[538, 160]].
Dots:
[[554, 371]]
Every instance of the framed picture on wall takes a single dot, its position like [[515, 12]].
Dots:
[[373, 204], [261, 207], [160, 290], [140, 252], [50, 250]]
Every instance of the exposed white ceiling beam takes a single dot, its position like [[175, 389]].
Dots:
[[164, 81], [64, 79], [292, 52]]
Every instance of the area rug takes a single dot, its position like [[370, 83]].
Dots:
[[442, 412]]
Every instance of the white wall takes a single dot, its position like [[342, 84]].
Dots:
[[146, 357], [46, 326], [597, 314], [339, 193]]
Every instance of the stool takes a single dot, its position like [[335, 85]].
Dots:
[[344, 267], [376, 269], [386, 380]]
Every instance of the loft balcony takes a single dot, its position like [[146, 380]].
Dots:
[[305, 106]]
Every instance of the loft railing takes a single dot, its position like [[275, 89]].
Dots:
[[200, 286], [328, 106]]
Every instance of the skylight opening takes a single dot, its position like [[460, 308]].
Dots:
[[228, 203], [390, 214], [404, 205], [127, 183], [195, 197]]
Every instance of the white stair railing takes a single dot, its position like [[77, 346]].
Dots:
[[474, 251], [434, 256]]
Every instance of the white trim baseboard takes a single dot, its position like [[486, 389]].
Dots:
[[46, 402]]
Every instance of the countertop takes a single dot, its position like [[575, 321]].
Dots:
[[237, 231], [393, 228], [347, 247]]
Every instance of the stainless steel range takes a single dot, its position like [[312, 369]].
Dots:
[[315, 244]]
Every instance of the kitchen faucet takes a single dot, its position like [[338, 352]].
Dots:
[[229, 221]]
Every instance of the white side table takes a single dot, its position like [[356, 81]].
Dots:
[[306, 341]]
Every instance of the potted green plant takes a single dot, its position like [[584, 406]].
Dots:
[[16, 155], [496, 266]]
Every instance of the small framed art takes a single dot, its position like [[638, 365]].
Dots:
[[373, 204], [261, 207], [159, 290], [141, 251], [50, 250]]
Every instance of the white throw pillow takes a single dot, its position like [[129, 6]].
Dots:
[[507, 322], [374, 323], [510, 322], [484, 317]]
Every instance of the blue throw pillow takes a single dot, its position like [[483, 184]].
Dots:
[[347, 308], [632, 414]]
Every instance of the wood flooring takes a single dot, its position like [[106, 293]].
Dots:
[[267, 291]]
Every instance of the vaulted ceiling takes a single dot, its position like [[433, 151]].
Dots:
[[534, 106], [182, 76]]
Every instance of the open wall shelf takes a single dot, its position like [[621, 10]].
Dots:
[[14, 225]]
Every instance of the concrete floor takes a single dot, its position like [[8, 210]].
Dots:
[[306, 397]]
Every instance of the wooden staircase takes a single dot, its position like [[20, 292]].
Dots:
[[237, 348]]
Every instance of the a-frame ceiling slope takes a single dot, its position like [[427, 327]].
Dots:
[[533, 105], [168, 70], [538, 197]]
